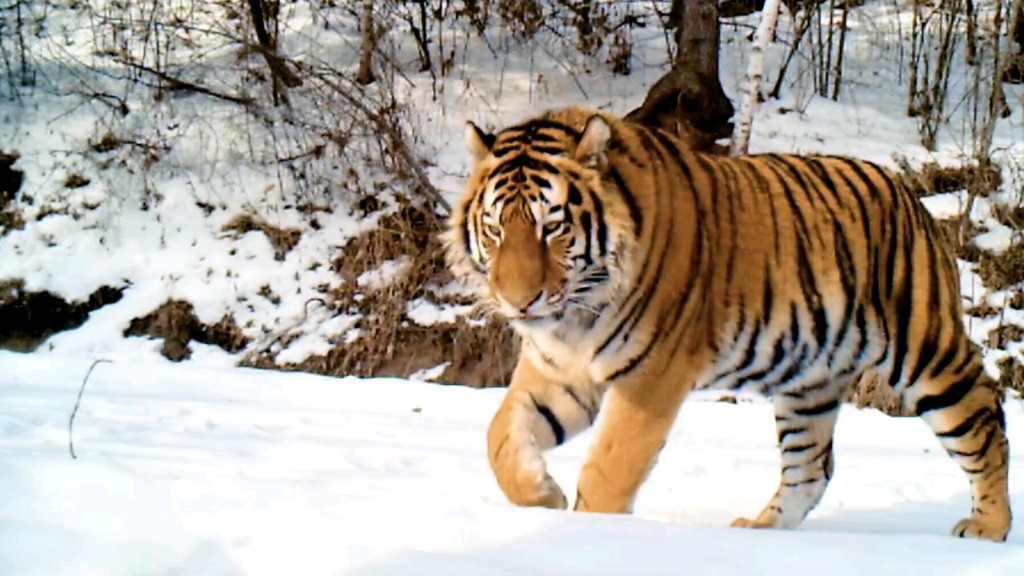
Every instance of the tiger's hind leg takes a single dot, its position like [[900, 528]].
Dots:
[[805, 428], [967, 416]]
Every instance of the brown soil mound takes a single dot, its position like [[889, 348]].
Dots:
[[29, 318], [175, 321]]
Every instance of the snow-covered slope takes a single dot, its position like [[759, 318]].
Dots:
[[153, 224], [187, 470]]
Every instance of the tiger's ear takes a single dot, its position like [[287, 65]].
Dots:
[[478, 141], [593, 146]]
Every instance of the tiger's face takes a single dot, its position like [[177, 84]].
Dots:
[[531, 226]]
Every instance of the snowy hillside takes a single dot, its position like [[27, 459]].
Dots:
[[242, 215], [227, 471]]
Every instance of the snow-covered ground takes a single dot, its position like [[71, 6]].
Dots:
[[184, 470]]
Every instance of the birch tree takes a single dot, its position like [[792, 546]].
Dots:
[[755, 71]]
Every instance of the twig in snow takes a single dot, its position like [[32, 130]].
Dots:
[[71, 421]]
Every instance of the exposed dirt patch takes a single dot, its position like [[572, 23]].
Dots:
[[175, 321], [11, 179], [29, 318], [75, 180], [282, 239], [479, 353]]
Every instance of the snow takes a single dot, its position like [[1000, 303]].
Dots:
[[185, 470]]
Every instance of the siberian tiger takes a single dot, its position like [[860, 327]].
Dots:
[[636, 270]]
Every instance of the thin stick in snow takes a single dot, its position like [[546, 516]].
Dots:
[[71, 421], [765, 30]]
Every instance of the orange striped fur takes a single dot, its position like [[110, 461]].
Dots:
[[636, 271]]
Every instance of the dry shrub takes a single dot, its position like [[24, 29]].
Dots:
[[930, 178], [966, 250], [1016, 301], [873, 392], [1010, 216], [10, 183], [1003, 270], [175, 321], [11, 219], [1011, 376], [983, 310], [1005, 334], [282, 239], [479, 353], [29, 318]]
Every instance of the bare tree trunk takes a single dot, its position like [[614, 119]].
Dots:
[[279, 72], [365, 73], [689, 100], [971, 25], [755, 70], [997, 99], [838, 70], [912, 108]]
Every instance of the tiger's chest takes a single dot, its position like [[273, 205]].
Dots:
[[562, 352], [556, 358]]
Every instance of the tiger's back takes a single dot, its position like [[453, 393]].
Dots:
[[636, 270]]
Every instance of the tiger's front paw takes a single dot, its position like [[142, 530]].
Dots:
[[546, 493], [550, 495], [982, 528], [530, 489], [748, 523]]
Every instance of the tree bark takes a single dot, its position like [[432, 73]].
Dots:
[[364, 75], [688, 100], [755, 70], [279, 72]]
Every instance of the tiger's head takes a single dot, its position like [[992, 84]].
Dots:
[[535, 227]]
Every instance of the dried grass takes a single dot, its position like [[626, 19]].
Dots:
[[282, 239], [11, 179], [479, 353], [872, 392], [930, 178]]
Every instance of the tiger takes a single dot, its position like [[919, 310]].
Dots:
[[635, 270]]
